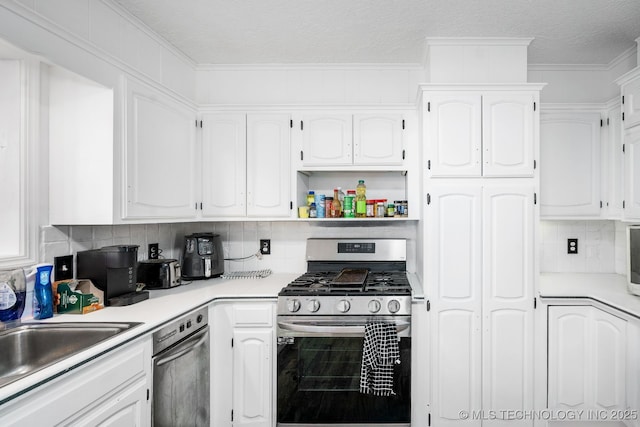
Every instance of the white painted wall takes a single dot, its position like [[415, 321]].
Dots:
[[319, 84]]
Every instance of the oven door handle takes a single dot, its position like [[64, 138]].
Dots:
[[334, 327]]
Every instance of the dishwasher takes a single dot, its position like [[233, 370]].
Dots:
[[181, 372]]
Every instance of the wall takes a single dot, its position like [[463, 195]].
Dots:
[[240, 239], [601, 247]]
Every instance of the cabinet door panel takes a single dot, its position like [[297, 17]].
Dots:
[[327, 139], [609, 346], [507, 135], [454, 266], [377, 139], [252, 377], [568, 357], [631, 92], [224, 165], [268, 165], [454, 135], [456, 367], [508, 297], [570, 164], [632, 173], [160, 156]]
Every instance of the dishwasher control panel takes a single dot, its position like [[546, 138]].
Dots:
[[179, 329]]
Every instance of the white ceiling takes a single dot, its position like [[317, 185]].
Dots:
[[386, 31]]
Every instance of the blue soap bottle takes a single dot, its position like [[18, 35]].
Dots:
[[42, 292]]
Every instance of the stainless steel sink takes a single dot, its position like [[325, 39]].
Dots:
[[30, 347]]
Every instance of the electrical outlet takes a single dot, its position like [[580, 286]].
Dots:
[[63, 267], [572, 246], [153, 251], [265, 246]]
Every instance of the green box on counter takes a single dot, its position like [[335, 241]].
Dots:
[[81, 301]]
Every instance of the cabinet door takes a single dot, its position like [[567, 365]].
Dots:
[[160, 155], [377, 139], [615, 165], [326, 139], [508, 252], [224, 157], [252, 377], [632, 174], [587, 359], [609, 370], [507, 135], [454, 266], [631, 106], [568, 354], [268, 165], [570, 164], [454, 135]]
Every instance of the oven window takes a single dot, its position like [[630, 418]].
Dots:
[[319, 383]]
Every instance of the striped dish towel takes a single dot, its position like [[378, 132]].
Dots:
[[380, 353]]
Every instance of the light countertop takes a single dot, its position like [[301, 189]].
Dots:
[[608, 289], [162, 306]]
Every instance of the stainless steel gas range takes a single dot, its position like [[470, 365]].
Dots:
[[324, 318]]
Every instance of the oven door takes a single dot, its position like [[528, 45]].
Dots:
[[319, 362]]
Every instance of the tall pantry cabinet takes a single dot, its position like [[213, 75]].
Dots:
[[480, 157]]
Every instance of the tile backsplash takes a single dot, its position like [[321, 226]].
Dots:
[[601, 247], [240, 239]]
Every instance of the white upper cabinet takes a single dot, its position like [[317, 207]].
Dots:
[[224, 160], [631, 102], [268, 165], [570, 159], [326, 139], [632, 174], [245, 165], [454, 135], [480, 134], [507, 135], [613, 173], [374, 139], [377, 139], [160, 144]]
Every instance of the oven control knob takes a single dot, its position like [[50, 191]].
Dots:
[[374, 306], [313, 305], [343, 306], [393, 306], [293, 305]]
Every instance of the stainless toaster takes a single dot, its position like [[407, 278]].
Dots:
[[159, 273]]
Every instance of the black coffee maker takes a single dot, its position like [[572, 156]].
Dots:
[[202, 257]]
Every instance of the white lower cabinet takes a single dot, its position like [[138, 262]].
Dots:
[[479, 253], [587, 359], [112, 390], [242, 361]]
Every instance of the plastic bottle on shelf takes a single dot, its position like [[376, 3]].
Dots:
[[313, 213], [361, 200], [311, 197], [348, 206]]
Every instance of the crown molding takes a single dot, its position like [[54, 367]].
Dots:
[[309, 66]]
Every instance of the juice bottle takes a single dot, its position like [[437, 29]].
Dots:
[[361, 200]]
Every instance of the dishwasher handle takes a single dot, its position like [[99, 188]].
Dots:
[[188, 345]]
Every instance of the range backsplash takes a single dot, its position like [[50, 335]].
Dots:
[[240, 239]]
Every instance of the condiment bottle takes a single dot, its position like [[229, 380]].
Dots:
[[361, 200], [371, 208], [329, 212], [311, 197], [313, 213], [337, 205], [348, 209]]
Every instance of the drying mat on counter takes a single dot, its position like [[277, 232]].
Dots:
[[256, 274]]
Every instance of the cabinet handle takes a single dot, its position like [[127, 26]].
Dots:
[[301, 155]]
